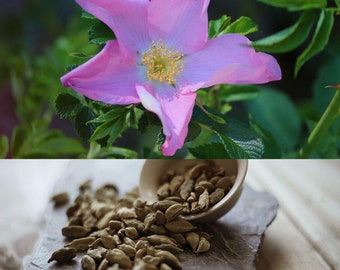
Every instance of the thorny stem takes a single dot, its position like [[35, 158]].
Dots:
[[331, 113]]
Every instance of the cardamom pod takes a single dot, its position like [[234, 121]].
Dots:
[[63, 255], [74, 231], [203, 200], [193, 239], [203, 245], [168, 258], [88, 263], [118, 256], [216, 196], [60, 199], [174, 211], [81, 244], [179, 226]]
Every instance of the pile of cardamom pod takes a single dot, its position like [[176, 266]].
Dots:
[[114, 232]]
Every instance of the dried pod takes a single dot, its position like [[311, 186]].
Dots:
[[88, 263], [72, 210], [96, 243], [199, 190], [195, 207], [152, 260], [160, 218], [149, 220], [128, 250], [115, 224], [164, 266], [175, 183], [99, 209], [74, 231], [159, 239], [135, 223], [192, 197], [141, 213], [157, 229], [214, 180], [129, 241], [203, 245], [60, 199], [126, 213], [118, 256], [131, 232], [107, 192], [104, 221], [97, 254], [104, 264], [174, 199], [225, 183], [141, 265], [178, 237], [81, 244], [196, 170], [140, 253], [193, 239], [163, 191], [141, 244], [63, 255], [162, 205], [86, 186], [218, 170], [108, 241], [139, 203], [169, 247], [179, 226], [121, 233], [117, 239], [203, 200], [168, 258], [186, 209], [174, 211], [216, 196], [186, 188], [207, 185]]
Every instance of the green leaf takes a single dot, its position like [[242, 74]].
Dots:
[[275, 112], [243, 26], [271, 147], [3, 146], [18, 138], [100, 33], [67, 106], [230, 93], [209, 150], [194, 131], [113, 114], [294, 5], [320, 39], [239, 141], [337, 2], [82, 123], [112, 129], [289, 38], [148, 121], [80, 55], [216, 27]]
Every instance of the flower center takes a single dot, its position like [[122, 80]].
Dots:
[[163, 64]]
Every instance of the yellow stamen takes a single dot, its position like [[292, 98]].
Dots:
[[163, 64]]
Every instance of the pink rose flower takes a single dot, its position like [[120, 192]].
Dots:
[[161, 57]]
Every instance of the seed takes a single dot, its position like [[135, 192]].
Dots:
[[193, 240], [207, 185], [163, 191], [97, 254], [169, 247], [225, 183], [103, 265], [88, 263], [160, 218], [140, 253], [63, 255], [74, 231], [118, 256], [108, 241], [186, 188], [203, 200], [216, 196], [196, 170], [175, 184], [129, 241], [97, 243], [162, 205], [174, 211], [81, 244], [149, 220], [60, 199], [192, 197], [152, 260], [164, 266], [178, 237], [128, 250], [159, 239], [203, 245], [179, 226], [169, 258], [157, 229], [141, 244], [195, 207], [131, 232]]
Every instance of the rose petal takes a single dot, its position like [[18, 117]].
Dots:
[[105, 78], [173, 109], [228, 59], [179, 23], [127, 19]]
